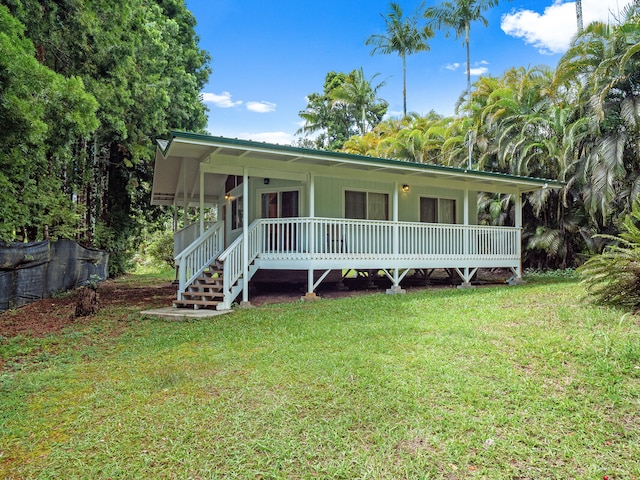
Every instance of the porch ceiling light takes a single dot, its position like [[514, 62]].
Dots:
[[405, 188]]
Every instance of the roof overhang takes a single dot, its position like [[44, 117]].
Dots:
[[176, 168]]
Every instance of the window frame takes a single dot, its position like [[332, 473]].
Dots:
[[439, 208], [279, 191], [367, 192]]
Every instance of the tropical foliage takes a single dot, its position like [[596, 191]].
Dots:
[[349, 105], [613, 277], [579, 123]]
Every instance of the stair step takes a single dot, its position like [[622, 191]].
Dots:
[[204, 294], [194, 303], [209, 281], [204, 287], [205, 291]]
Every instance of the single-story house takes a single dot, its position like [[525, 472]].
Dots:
[[286, 209]]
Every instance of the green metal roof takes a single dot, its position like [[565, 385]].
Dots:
[[338, 156]]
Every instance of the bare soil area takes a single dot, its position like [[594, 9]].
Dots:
[[51, 315]]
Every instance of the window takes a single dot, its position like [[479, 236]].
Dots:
[[366, 205], [437, 210], [280, 204], [280, 237], [232, 182], [236, 213]]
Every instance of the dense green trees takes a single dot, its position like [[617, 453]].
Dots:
[[131, 70], [579, 123], [349, 105], [42, 113]]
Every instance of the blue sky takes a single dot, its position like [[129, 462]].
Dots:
[[268, 56]]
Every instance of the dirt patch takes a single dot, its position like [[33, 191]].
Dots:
[[53, 314]]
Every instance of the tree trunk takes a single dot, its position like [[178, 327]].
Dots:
[[404, 85], [87, 302], [579, 15]]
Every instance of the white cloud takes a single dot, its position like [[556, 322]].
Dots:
[[221, 101], [478, 70], [261, 107], [452, 66], [551, 32]]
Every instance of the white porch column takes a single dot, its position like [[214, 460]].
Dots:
[[466, 207], [465, 247], [518, 221], [311, 237], [518, 206], [185, 204], [201, 200], [395, 288], [312, 195], [175, 217], [245, 243]]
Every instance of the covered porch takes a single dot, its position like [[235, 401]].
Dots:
[[283, 208]]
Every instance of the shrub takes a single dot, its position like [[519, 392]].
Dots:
[[613, 277], [161, 248]]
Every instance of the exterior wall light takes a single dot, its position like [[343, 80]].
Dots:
[[405, 188]]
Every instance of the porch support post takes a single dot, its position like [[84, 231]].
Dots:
[[310, 295], [395, 288], [185, 204], [517, 278], [201, 200], [175, 217], [466, 276], [245, 243], [175, 229]]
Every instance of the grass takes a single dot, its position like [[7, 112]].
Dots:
[[506, 382]]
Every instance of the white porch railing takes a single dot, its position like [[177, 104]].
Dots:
[[185, 236], [331, 238], [332, 243], [233, 281], [202, 252]]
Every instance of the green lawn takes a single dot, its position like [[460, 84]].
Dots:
[[505, 382]]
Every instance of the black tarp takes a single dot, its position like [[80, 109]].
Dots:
[[32, 271]]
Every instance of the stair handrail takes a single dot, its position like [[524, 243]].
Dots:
[[232, 258], [194, 259]]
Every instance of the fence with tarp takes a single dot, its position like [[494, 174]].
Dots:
[[32, 271]]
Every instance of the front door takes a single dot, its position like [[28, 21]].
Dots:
[[282, 236]]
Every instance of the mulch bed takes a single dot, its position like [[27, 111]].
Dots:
[[51, 315]]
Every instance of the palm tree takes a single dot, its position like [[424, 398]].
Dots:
[[404, 37], [458, 15], [601, 69], [359, 96]]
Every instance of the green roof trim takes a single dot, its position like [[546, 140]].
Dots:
[[234, 142]]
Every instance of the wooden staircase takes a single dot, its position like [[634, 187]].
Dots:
[[206, 291]]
